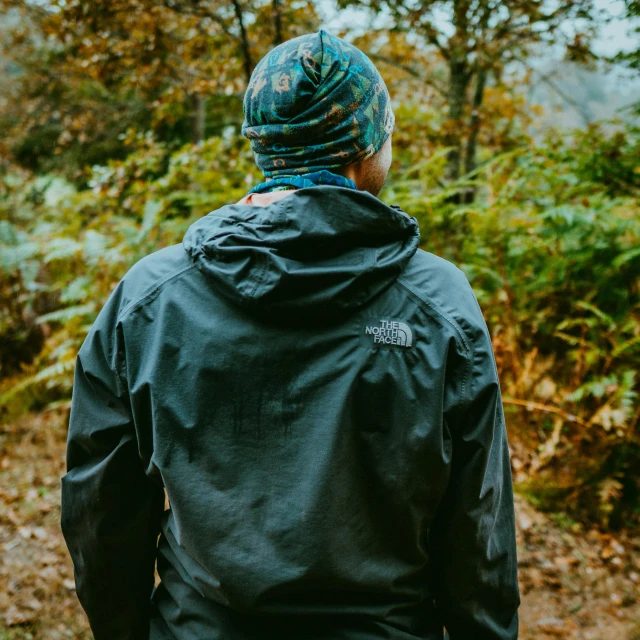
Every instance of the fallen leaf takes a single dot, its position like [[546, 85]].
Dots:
[[553, 626], [14, 616], [40, 533], [33, 604], [524, 522], [24, 532]]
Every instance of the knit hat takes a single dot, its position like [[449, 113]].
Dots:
[[315, 102]]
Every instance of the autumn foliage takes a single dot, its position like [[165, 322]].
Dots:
[[120, 126]]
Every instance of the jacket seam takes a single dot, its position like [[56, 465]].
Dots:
[[466, 343], [141, 300], [120, 367], [259, 277], [119, 355]]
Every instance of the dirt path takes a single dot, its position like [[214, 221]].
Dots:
[[583, 586]]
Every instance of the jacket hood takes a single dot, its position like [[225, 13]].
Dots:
[[320, 248]]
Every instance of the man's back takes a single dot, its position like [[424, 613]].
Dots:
[[320, 401]]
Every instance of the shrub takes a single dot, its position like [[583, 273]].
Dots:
[[549, 243]]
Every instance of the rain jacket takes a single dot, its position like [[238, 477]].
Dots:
[[319, 399]]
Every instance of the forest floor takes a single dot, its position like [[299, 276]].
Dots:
[[583, 585]]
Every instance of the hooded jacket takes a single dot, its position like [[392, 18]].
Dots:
[[319, 399]]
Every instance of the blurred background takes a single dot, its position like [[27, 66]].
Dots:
[[517, 147]]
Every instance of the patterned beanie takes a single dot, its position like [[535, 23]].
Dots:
[[315, 102]]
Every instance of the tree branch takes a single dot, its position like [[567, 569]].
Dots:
[[244, 40], [431, 33], [203, 13], [277, 23], [32, 8], [546, 408], [412, 71]]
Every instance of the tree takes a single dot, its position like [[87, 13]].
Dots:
[[87, 71], [632, 58], [475, 40]]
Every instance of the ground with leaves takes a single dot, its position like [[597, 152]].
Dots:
[[575, 583]]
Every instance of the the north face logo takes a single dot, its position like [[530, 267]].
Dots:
[[391, 332]]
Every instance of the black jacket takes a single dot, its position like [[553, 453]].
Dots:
[[319, 399]]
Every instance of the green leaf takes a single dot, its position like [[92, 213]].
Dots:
[[68, 313], [152, 208]]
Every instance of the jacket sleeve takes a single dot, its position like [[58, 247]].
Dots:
[[472, 540], [110, 509]]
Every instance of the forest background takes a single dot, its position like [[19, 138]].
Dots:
[[517, 147]]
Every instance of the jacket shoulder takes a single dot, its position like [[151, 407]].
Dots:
[[150, 274], [445, 289], [141, 283]]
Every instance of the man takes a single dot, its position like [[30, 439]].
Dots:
[[317, 396]]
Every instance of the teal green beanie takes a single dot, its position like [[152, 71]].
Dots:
[[315, 102]]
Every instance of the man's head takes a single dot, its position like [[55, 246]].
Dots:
[[317, 102]]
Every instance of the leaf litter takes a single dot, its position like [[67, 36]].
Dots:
[[575, 583]]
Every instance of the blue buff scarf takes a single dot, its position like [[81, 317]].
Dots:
[[314, 179]]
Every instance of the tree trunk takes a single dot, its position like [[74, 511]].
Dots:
[[277, 23], [244, 41], [198, 117], [458, 84], [474, 128], [459, 78]]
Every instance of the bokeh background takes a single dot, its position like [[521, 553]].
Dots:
[[517, 147]]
